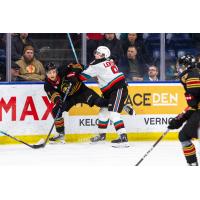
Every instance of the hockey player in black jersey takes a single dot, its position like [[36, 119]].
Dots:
[[189, 75], [56, 83]]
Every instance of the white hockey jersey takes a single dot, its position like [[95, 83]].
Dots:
[[106, 73]]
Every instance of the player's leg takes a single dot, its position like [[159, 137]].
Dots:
[[129, 109], [115, 106], [92, 98], [104, 115], [59, 136], [59, 125], [188, 132], [103, 120]]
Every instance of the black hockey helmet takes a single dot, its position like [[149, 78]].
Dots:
[[185, 62], [50, 66]]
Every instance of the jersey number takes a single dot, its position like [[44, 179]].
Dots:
[[112, 66]]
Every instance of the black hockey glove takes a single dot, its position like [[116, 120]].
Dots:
[[175, 123], [178, 121], [77, 67]]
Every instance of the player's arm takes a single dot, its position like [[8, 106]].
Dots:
[[178, 121], [67, 74], [192, 90], [88, 73], [72, 71], [76, 68]]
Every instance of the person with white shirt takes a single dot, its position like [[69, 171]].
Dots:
[[152, 74]]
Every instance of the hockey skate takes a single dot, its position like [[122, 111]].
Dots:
[[58, 138], [121, 142], [98, 138], [129, 110], [193, 164]]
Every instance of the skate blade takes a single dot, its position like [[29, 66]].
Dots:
[[121, 145], [57, 142], [98, 142]]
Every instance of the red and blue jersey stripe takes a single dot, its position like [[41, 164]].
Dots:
[[84, 77], [113, 82]]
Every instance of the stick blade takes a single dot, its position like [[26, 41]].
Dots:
[[40, 144]]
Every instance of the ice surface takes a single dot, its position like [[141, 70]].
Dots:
[[166, 153]]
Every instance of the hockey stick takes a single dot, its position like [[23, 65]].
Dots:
[[58, 113], [72, 46], [34, 146], [147, 153]]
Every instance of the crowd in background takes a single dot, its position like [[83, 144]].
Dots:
[[136, 55]]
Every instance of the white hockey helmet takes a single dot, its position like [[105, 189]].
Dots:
[[104, 51]]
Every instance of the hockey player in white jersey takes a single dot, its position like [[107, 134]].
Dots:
[[114, 88]]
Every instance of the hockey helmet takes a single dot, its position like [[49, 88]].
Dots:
[[185, 62], [50, 66], [103, 50]]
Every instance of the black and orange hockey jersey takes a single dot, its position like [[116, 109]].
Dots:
[[190, 80], [65, 76]]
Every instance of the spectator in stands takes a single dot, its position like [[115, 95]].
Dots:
[[131, 65], [92, 44], [198, 58], [170, 68], [196, 40], [2, 41], [31, 69], [152, 74], [132, 40], [114, 45], [2, 56], [18, 43], [15, 72], [2, 72]]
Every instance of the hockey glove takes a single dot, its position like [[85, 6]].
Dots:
[[176, 122], [77, 68], [71, 78]]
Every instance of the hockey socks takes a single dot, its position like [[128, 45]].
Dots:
[[103, 124], [59, 124], [190, 155], [118, 125]]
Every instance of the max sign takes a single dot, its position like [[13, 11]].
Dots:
[[29, 108]]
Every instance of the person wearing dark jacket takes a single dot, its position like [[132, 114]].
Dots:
[[19, 42], [132, 40], [131, 66], [15, 72], [114, 45]]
